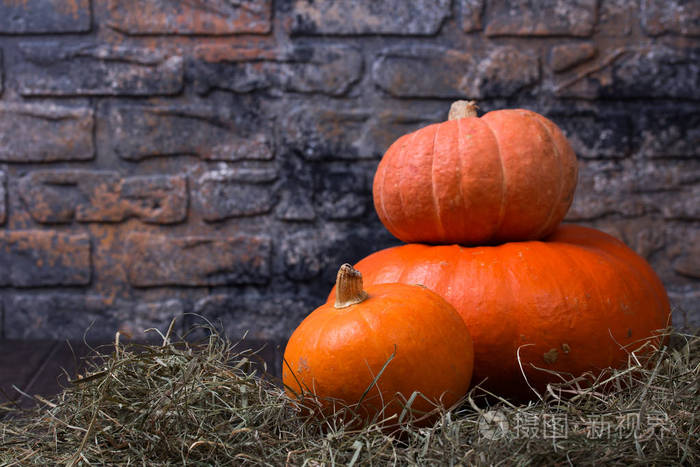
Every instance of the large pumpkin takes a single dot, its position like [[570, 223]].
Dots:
[[507, 176], [407, 336], [573, 303]]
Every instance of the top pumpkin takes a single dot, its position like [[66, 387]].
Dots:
[[507, 176]]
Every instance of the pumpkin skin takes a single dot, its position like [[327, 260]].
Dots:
[[337, 353], [507, 176], [568, 303]]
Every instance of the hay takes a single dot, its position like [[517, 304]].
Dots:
[[206, 404]]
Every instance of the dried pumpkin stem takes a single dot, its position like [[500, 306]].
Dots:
[[462, 109], [348, 289]]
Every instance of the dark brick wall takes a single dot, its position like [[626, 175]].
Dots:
[[160, 157]]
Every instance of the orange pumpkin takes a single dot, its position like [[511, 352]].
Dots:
[[507, 176], [339, 349], [569, 303]]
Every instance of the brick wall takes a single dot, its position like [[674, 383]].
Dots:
[[161, 157]]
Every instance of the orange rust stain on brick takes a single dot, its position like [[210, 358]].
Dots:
[[212, 17], [109, 258], [215, 53], [73, 7]]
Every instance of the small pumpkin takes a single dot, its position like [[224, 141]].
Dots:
[[575, 302], [406, 334], [507, 176]]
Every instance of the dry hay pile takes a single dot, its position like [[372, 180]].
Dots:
[[205, 404]]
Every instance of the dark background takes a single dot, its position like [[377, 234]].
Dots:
[[161, 157]]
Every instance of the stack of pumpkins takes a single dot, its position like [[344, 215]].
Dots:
[[479, 202]]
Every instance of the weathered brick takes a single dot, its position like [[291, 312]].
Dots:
[[615, 18], [341, 193], [157, 260], [674, 16], [683, 204], [541, 18], [597, 135], [157, 199], [59, 316], [600, 192], [60, 196], [325, 133], [295, 205], [234, 69], [3, 197], [44, 16], [316, 253], [669, 133], [330, 70], [139, 132], [650, 72], [389, 125], [303, 255], [255, 316], [418, 17], [310, 252], [136, 318], [633, 188], [641, 234], [296, 189], [657, 72], [505, 72], [33, 258], [213, 17], [45, 133], [470, 12], [686, 307], [226, 193], [57, 69], [565, 56], [410, 72]]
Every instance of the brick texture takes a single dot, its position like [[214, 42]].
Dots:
[[567, 56], [159, 260], [3, 197], [213, 17], [139, 132], [470, 14], [331, 70], [45, 132], [62, 196], [541, 18], [44, 16], [419, 17], [62, 315], [675, 16], [34, 258], [499, 72], [223, 194], [56, 69], [160, 158]]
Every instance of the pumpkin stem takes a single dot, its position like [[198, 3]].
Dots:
[[462, 109], [348, 289]]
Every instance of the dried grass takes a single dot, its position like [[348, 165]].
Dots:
[[206, 404]]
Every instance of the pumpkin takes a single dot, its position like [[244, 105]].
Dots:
[[406, 336], [576, 302], [507, 176]]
